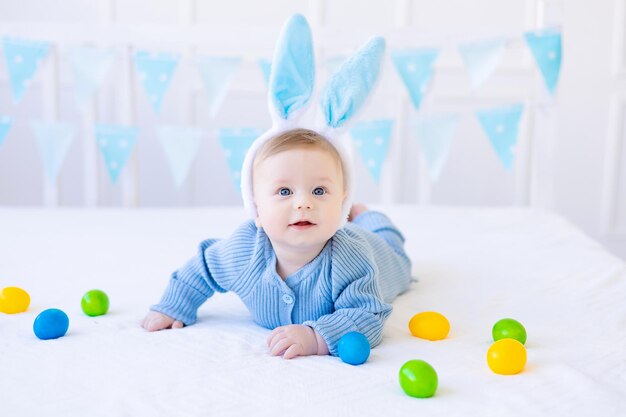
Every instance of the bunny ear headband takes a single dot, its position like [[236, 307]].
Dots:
[[291, 86]]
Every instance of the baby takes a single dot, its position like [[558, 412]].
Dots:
[[298, 267]]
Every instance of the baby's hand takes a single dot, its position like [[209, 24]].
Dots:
[[293, 340], [159, 321]]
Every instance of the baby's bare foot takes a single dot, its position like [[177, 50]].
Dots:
[[356, 210]]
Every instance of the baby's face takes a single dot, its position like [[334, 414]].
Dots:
[[299, 195]]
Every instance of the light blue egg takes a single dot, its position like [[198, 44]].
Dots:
[[354, 348], [51, 324]]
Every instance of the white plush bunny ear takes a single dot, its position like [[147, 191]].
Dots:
[[348, 88], [292, 75]]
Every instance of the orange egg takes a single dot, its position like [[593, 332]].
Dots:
[[429, 325], [14, 300]]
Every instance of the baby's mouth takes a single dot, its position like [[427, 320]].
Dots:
[[303, 223]]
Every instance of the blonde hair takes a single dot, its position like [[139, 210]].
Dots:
[[297, 138]]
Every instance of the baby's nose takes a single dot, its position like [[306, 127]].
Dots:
[[303, 203]]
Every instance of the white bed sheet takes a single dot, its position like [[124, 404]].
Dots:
[[474, 265]]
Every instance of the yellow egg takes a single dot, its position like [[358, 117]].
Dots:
[[14, 300], [506, 357], [429, 325]]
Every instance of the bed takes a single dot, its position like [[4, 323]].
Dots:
[[474, 265]]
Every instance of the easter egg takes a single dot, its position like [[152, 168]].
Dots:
[[354, 348], [509, 328], [418, 379], [14, 300], [506, 357], [429, 325], [51, 324], [95, 303]]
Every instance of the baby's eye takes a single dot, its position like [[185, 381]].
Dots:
[[284, 191], [319, 191]]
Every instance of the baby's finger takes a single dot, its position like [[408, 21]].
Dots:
[[293, 351], [277, 337], [281, 346], [177, 324], [273, 334]]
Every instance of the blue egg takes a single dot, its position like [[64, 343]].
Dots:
[[51, 324], [354, 348]]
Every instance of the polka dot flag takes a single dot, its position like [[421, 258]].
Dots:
[[5, 126], [546, 49], [235, 143], [502, 127], [415, 67], [53, 141], [481, 59], [434, 135], [266, 67], [217, 74], [180, 144], [24, 58], [155, 71], [116, 144], [371, 139]]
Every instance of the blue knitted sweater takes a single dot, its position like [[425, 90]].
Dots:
[[347, 287]]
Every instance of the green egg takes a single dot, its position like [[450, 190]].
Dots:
[[95, 303], [418, 379], [509, 329]]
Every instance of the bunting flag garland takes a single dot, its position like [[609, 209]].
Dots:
[[116, 144], [266, 66], [24, 58], [180, 144], [502, 127], [415, 67], [546, 49], [155, 73], [53, 141], [481, 58], [434, 134], [372, 141], [89, 68], [333, 63], [5, 126], [235, 143], [217, 74]]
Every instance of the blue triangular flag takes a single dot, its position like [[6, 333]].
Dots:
[[502, 126], [116, 144], [235, 143], [23, 58], [415, 67], [481, 59], [266, 67], [546, 48], [5, 126], [333, 63], [217, 74], [89, 67], [180, 144], [53, 141], [372, 141], [434, 134], [155, 72]]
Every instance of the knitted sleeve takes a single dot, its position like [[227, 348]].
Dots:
[[213, 269]]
